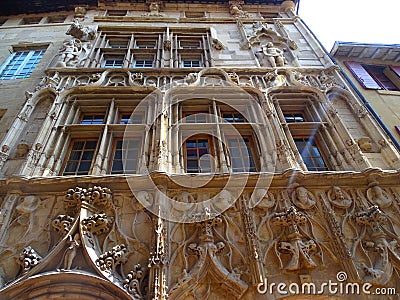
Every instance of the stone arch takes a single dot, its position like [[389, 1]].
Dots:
[[64, 285]]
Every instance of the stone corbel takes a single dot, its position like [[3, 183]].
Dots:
[[216, 43]]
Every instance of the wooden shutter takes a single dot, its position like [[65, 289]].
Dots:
[[396, 70], [397, 129], [362, 75]]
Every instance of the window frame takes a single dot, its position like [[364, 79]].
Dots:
[[369, 80], [129, 114], [250, 146], [69, 151], [315, 143], [113, 159], [184, 60], [113, 58], [146, 63], [211, 152], [377, 72], [93, 114], [12, 61], [195, 115]]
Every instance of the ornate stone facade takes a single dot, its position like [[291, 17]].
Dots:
[[294, 184]]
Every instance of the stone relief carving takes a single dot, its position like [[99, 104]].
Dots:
[[154, 9], [339, 198], [71, 251], [298, 246], [236, 9], [116, 78], [291, 236], [273, 55], [51, 82], [73, 53], [81, 32], [80, 12], [133, 282], [273, 79], [322, 80], [377, 196], [97, 224], [202, 253], [376, 247], [271, 48], [302, 198], [263, 232]]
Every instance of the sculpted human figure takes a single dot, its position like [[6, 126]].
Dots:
[[378, 197], [301, 198], [70, 253], [70, 53], [338, 197], [274, 55]]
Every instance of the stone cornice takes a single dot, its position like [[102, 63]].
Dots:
[[313, 180]]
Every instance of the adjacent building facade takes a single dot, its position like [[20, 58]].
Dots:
[[375, 70], [188, 150]]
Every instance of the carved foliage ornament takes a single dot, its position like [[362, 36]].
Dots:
[[109, 260], [96, 196], [63, 223], [28, 259], [97, 224], [133, 281]]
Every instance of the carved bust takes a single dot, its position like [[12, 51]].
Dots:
[[302, 198], [378, 196], [339, 197]]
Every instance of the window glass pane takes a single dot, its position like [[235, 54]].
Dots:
[[87, 155], [117, 166], [80, 158], [92, 119], [84, 167], [241, 155], [197, 158], [310, 154], [71, 167], [20, 64], [126, 156]]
